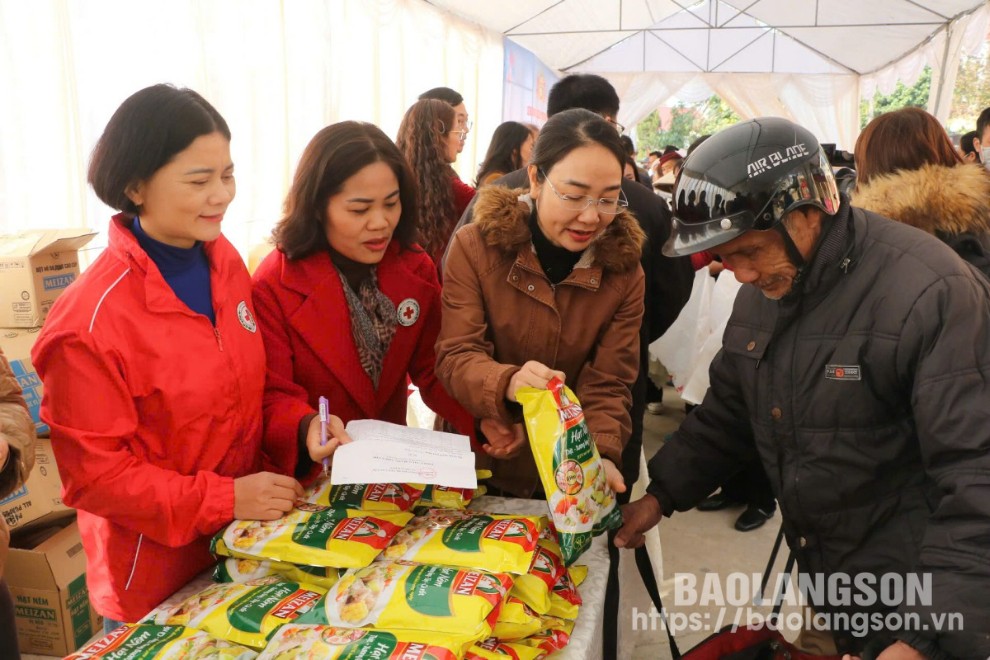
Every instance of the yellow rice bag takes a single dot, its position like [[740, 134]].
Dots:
[[242, 612], [489, 541], [516, 621], [534, 586], [399, 595], [446, 497], [306, 642], [242, 570], [581, 503], [316, 536], [493, 649], [555, 635], [565, 599], [578, 573], [367, 497], [151, 642]]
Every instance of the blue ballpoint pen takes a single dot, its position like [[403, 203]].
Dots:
[[324, 420]]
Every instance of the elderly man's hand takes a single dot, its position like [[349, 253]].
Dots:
[[638, 518]]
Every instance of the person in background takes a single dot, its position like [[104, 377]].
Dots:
[[856, 367], [629, 169], [152, 363], [642, 175], [909, 171], [981, 143], [429, 141], [463, 193], [348, 304], [563, 257], [651, 164], [967, 148], [510, 149], [17, 439]]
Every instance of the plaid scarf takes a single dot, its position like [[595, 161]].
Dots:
[[372, 323]]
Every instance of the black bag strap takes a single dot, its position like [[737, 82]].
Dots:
[[645, 566]]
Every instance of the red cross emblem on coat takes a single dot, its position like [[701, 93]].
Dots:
[[407, 312]]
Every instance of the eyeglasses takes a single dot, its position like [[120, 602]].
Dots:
[[619, 127], [606, 205], [466, 125], [461, 134]]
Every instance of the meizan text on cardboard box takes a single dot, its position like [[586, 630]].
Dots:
[[35, 268], [46, 573]]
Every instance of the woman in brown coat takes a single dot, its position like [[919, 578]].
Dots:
[[547, 282], [17, 439]]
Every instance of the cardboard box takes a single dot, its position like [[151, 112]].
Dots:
[[16, 344], [35, 268], [51, 601], [39, 501]]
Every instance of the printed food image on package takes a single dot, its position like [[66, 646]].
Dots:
[[243, 613], [152, 642], [492, 542], [399, 595], [367, 497], [309, 642], [243, 570], [581, 503], [317, 536]]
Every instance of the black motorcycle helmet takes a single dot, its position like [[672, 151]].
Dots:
[[748, 176]]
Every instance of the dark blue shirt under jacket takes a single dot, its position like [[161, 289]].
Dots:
[[187, 270]]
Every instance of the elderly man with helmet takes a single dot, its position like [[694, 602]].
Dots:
[[856, 367]]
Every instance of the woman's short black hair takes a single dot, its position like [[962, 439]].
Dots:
[[569, 129], [334, 155], [145, 133]]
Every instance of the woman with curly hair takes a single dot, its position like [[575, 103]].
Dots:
[[429, 139], [509, 150]]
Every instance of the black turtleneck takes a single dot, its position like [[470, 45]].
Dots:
[[354, 272], [557, 262]]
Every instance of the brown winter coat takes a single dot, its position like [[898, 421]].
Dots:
[[500, 310], [953, 203]]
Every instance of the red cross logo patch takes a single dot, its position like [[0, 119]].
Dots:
[[407, 312]]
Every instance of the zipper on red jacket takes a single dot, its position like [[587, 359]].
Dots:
[[216, 332]]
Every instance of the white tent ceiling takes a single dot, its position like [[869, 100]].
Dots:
[[716, 36], [806, 59]]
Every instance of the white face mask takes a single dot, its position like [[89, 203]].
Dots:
[[985, 157]]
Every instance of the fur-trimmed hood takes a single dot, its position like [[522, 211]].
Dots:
[[935, 198], [503, 220]]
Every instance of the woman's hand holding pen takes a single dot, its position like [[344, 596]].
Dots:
[[336, 436]]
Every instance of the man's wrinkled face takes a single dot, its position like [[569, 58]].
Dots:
[[760, 257]]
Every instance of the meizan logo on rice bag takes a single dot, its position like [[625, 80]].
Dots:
[[366, 530]]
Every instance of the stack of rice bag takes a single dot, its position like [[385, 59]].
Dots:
[[356, 571]]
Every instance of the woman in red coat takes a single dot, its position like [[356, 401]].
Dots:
[[348, 304]]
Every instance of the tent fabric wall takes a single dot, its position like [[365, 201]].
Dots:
[[278, 70]]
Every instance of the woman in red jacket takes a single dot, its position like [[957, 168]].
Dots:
[[152, 364], [348, 304]]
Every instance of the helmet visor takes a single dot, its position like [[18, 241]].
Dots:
[[707, 214]]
